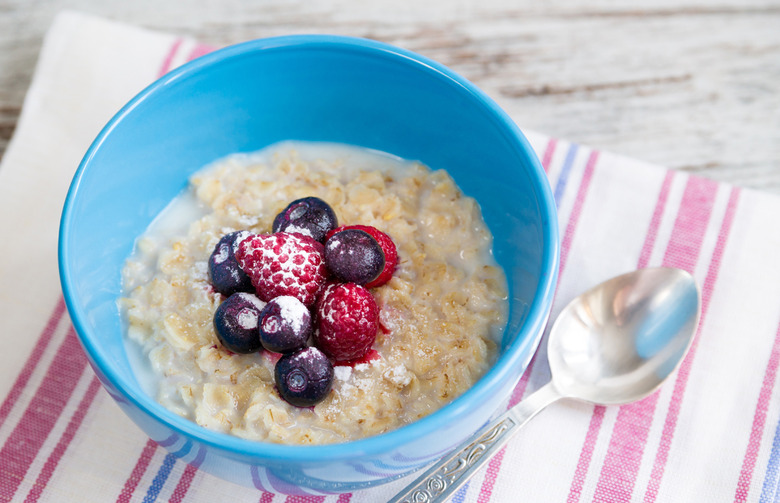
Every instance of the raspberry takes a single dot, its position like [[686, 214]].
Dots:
[[283, 264], [387, 245], [347, 321]]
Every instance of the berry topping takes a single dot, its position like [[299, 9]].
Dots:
[[347, 321], [371, 356], [353, 256], [310, 216], [388, 248], [285, 324], [225, 273], [304, 378], [236, 321], [283, 264]]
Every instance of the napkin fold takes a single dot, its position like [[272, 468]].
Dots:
[[712, 433]]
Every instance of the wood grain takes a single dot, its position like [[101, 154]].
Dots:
[[692, 85]]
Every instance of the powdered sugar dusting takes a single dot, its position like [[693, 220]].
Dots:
[[283, 264], [398, 375], [360, 367], [223, 252], [247, 318], [241, 236], [342, 372], [355, 378], [299, 230], [201, 270], [259, 304], [292, 311], [309, 353]]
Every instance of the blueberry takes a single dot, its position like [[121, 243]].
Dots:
[[285, 324], [310, 216], [305, 377], [225, 273], [353, 256], [236, 321]]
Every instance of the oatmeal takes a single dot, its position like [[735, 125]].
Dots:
[[440, 314]]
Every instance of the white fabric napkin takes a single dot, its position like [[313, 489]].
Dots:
[[711, 434]]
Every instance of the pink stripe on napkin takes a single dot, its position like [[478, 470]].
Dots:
[[138, 471], [32, 361], [187, 475], [165, 67], [304, 499], [491, 474], [24, 443], [670, 423], [629, 435], [655, 220], [64, 442], [759, 420], [691, 224], [183, 486], [549, 150], [571, 228], [597, 416], [494, 466], [200, 50], [583, 462]]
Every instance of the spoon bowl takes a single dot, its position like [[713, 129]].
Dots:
[[617, 342], [614, 344]]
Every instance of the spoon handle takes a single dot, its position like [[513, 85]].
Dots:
[[452, 471]]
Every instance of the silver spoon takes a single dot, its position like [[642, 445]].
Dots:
[[614, 344]]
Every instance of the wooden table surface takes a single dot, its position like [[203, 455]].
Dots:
[[689, 84]]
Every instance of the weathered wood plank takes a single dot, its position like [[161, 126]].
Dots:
[[692, 85]]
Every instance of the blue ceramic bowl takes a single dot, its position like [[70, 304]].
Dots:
[[315, 88]]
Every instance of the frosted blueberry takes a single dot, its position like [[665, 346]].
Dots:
[[285, 324], [354, 256], [236, 322], [310, 216], [225, 274], [304, 378]]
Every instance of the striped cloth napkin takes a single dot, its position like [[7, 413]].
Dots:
[[711, 434]]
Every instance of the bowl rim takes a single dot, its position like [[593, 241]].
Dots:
[[515, 354]]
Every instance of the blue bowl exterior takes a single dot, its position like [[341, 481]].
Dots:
[[311, 88]]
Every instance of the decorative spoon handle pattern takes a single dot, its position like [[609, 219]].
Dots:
[[452, 471]]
